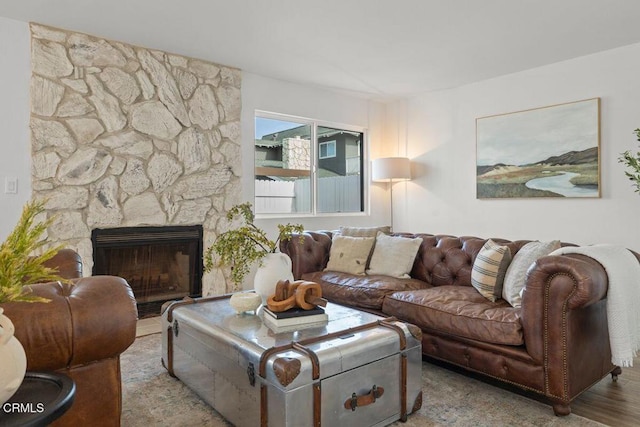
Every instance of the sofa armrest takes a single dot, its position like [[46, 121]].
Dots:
[[90, 319], [565, 320], [555, 285], [312, 254]]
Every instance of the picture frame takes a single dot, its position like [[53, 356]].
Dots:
[[551, 151]]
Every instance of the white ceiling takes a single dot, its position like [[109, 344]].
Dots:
[[383, 48]]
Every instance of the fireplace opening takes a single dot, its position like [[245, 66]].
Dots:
[[160, 263]]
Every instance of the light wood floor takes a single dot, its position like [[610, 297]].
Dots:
[[613, 403], [616, 404], [150, 325]]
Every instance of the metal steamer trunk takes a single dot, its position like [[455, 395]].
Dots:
[[358, 370]]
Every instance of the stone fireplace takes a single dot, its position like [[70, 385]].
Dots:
[[124, 136], [160, 263]]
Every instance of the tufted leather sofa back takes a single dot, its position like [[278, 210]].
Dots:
[[441, 259], [448, 260]]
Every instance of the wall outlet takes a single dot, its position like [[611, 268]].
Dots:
[[11, 185]]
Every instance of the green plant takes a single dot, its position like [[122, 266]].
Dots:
[[242, 246], [632, 162], [18, 264]]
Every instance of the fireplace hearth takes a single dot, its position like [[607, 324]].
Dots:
[[160, 263]]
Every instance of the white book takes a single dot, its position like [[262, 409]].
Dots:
[[293, 324]]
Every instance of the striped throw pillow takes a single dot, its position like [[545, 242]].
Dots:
[[489, 268]]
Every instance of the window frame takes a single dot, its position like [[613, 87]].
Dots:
[[328, 144], [315, 123]]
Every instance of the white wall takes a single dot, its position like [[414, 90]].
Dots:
[[442, 143], [15, 149], [266, 94]]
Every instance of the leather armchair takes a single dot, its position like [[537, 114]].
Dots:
[[81, 332]]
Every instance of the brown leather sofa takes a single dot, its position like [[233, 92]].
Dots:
[[81, 332], [556, 344]]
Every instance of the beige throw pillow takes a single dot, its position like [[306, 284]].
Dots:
[[516, 275], [349, 254], [364, 231], [393, 256], [489, 268]]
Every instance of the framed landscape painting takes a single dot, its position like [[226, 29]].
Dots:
[[543, 152]]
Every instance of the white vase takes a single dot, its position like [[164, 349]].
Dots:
[[275, 267], [14, 361]]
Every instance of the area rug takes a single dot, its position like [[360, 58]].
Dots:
[[152, 398]]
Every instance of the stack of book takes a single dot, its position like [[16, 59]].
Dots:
[[294, 319]]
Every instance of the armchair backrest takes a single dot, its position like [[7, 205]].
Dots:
[[68, 263]]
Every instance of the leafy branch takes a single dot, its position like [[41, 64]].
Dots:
[[18, 264], [240, 247], [632, 162]]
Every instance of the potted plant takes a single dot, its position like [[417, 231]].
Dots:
[[632, 162], [246, 244], [19, 264]]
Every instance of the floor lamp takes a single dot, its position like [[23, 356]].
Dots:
[[391, 169]]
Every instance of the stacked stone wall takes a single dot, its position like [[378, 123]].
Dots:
[[127, 136], [296, 153]]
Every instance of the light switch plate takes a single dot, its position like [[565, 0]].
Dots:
[[11, 185]]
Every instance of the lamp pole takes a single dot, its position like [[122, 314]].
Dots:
[[390, 169], [391, 191]]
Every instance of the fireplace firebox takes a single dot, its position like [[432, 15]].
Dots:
[[160, 263]]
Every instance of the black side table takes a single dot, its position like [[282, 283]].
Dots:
[[42, 398]]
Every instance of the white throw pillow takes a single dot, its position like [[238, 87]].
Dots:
[[393, 256], [489, 268], [349, 254], [514, 279]]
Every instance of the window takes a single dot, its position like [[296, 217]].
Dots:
[[307, 168], [327, 149]]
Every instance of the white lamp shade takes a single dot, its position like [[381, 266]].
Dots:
[[391, 169]]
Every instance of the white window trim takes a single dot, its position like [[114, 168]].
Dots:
[[327, 144]]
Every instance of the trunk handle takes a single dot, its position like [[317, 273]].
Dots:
[[354, 401]]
